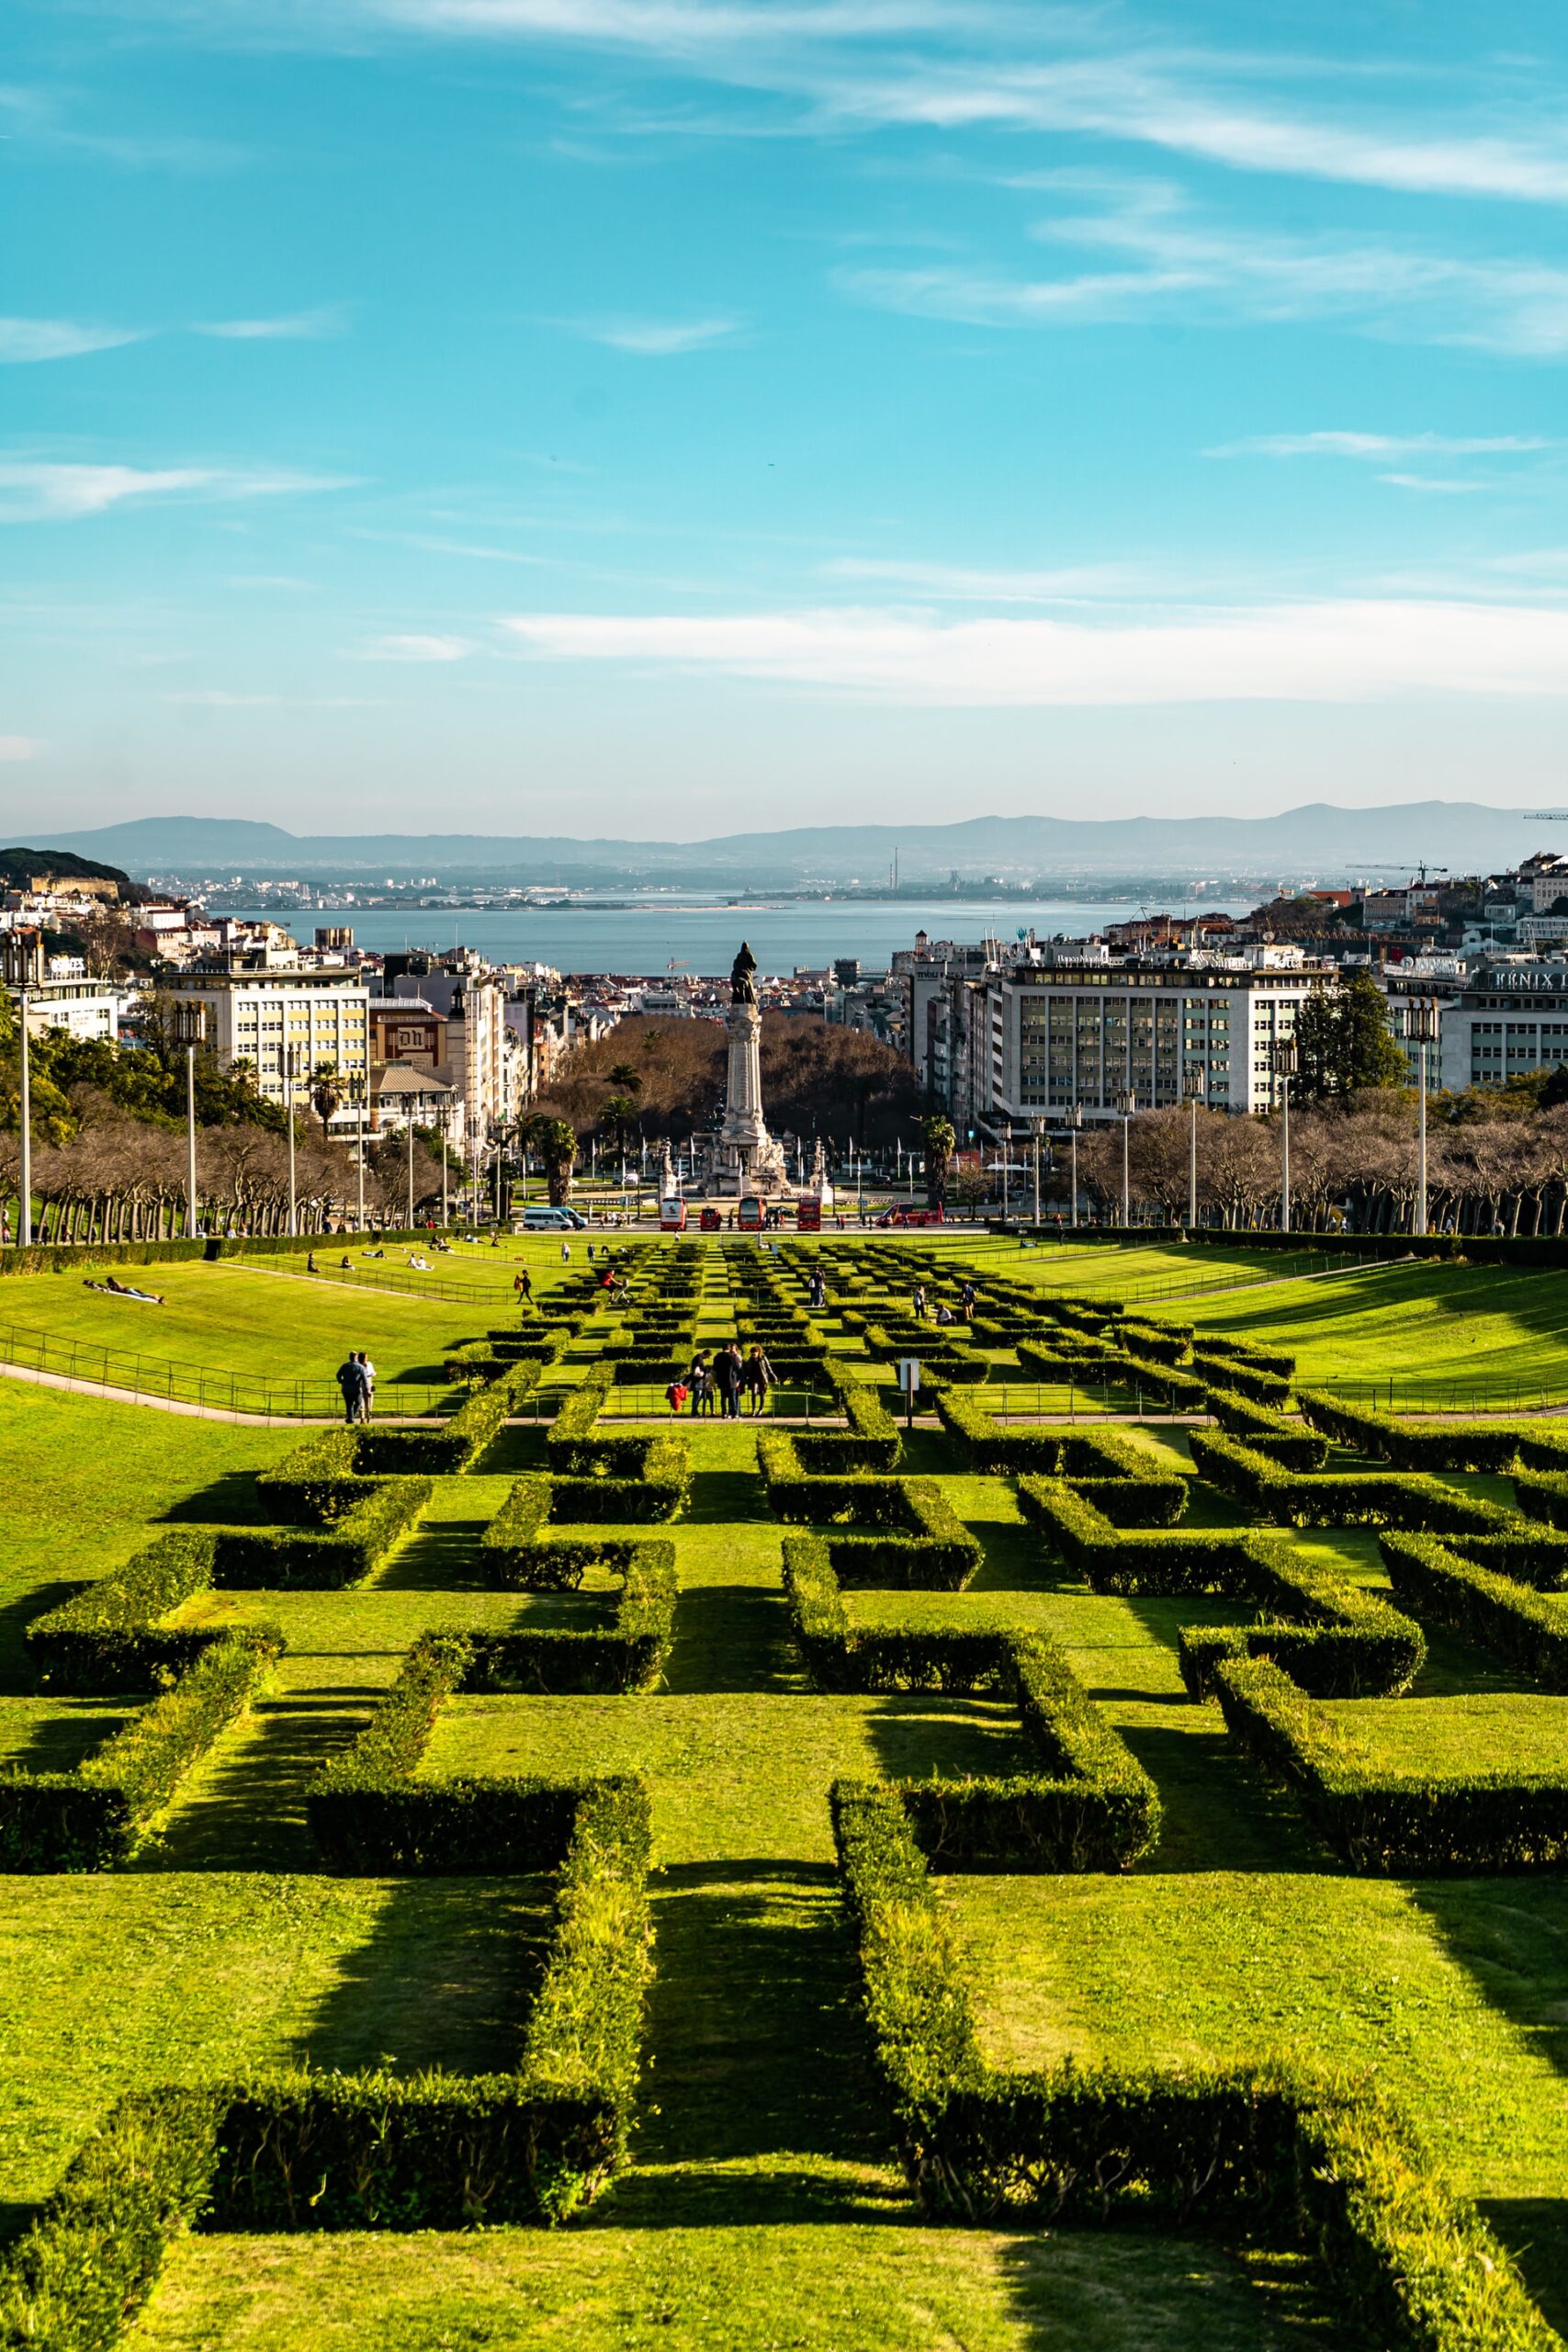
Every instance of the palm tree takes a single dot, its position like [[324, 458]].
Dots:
[[618, 1115], [627, 1080], [555, 1142], [941, 1141]]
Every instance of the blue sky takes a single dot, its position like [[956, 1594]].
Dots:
[[648, 416]]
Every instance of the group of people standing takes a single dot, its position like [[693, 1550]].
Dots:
[[356, 1378], [721, 1381]]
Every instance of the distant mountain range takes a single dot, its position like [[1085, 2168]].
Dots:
[[1462, 835]]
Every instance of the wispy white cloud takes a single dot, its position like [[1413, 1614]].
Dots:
[[1190, 108], [1437, 485], [219, 698], [959, 583], [20, 747], [36, 491], [653, 338], [1174, 263], [1381, 446], [416, 649], [25, 340], [294, 326], [1348, 651]]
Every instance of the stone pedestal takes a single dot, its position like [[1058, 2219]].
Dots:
[[745, 1157]]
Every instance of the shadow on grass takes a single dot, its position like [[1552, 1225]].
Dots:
[[62, 1742], [17, 1676], [919, 1735], [517, 1447], [1218, 1813], [230, 1500], [244, 1808], [441, 1556], [754, 2021], [444, 1979], [1535, 2231]]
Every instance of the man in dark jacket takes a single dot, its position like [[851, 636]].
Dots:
[[351, 1380], [727, 1380]]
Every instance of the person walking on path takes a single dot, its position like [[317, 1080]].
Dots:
[[920, 1301], [756, 1377], [818, 1288], [351, 1380], [966, 1301], [368, 1375], [697, 1379], [727, 1379], [523, 1287], [566, 1253]]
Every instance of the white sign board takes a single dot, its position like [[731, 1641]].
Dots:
[[909, 1374]]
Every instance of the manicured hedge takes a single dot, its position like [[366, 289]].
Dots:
[[325, 1559], [1122, 1479], [1242, 1376], [870, 1440], [1380, 1822], [96, 1815], [319, 1481], [1412, 1445], [1088, 1807], [106, 1639], [1278, 2157], [1343, 1497], [1266, 1431], [1513, 1621], [371, 1817], [1337, 1638], [921, 1543], [626, 1654], [456, 1445]]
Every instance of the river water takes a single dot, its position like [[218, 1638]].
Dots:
[[699, 936]]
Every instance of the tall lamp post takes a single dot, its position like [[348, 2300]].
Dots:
[[1421, 1028], [289, 1055], [1286, 1059], [1039, 1127], [1126, 1104], [25, 1204], [1075, 1128], [190, 1028], [411, 1167], [1196, 1085], [362, 1089]]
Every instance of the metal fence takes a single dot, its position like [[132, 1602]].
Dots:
[[128, 1371], [1437, 1396]]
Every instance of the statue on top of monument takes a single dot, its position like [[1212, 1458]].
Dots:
[[742, 987]]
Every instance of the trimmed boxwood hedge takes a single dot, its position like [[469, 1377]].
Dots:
[[105, 1639], [1381, 1822], [1266, 1431], [1090, 1805], [1511, 1620], [1274, 2156], [322, 1559], [372, 1818], [457, 1444], [1415, 1445], [96, 1815], [1337, 1639], [1407, 1498], [920, 1544]]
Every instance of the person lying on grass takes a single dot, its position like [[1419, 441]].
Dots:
[[125, 1290]]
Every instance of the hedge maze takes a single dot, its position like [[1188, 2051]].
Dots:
[[766, 1839]]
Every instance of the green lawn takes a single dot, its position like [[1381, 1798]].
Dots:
[[264, 1325], [761, 2213], [712, 2288]]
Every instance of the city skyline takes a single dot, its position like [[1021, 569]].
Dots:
[[477, 414]]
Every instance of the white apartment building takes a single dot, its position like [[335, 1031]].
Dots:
[[82, 1007], [1062, 1034], [1495, 1022], [262, 1014], [482, 1062]]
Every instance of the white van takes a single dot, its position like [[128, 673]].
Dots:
[[540, 1218]]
